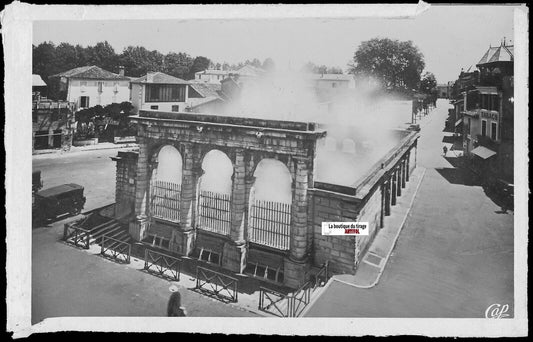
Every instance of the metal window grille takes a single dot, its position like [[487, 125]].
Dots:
[[214, 212], [166, 200], [270, 224]]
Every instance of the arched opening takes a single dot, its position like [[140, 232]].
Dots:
[[214, 193], [270, 205], [165, 188]]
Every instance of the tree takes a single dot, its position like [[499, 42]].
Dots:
[[428, 84], [104, 56], [44, 60], [137, 60], [269, 65], [200, 63], [398, 65], [177, 64]]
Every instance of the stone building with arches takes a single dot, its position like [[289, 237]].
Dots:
[[242, 194]]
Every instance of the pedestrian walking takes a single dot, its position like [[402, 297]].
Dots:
[[445, 150], [174, 308]]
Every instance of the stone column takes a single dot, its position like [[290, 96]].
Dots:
[[184, 237], [238, 198], [188, 188], [394, 191], [234, 257], [399, 180], [296, 265], [404, 170], [298, 243], [407, 167], [139, 226], [387, 195]]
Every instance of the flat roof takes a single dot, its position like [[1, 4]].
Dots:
[[53, 191]]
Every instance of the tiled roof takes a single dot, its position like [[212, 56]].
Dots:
[[502, 53], [159, 78], [206, 89], [90, 72]]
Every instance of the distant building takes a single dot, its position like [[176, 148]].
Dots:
[[89, 86], [212, 76], [52, 121], [159, 91], [485, 100], [443, 91]]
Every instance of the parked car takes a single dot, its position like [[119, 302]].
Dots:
[[36, 183], [56, 201]]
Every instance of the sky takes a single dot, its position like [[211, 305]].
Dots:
[[449, 37]]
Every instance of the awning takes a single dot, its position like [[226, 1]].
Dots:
[[458, 122], [487, 90], [483, 152]]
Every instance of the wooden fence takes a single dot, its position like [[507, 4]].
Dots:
[[166, 200], [214, 212], [270, 224]]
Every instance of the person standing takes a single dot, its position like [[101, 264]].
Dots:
[[174, 308], [445, 150]]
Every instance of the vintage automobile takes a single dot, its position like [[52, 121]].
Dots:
[[36, 183], [56, 201]]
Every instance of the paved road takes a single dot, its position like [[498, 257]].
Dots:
[[71, 282], [454, 257], [92, 169]]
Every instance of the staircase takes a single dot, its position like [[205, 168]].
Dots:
[[98, 226]]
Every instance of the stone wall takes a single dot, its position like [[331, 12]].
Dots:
[[339, 250]]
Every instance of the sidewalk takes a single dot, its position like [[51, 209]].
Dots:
[[99, 146], [375, 260]]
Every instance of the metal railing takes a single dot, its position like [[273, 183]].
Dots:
[[117, 250], [298, 300], [273, 302], [321, 278], [292, 304], [162, 265], [166, 200], [77, 236], [214, 212], [216, 284], [270, 224]]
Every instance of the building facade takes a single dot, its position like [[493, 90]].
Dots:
[[487, 103], [251, 220], [159, 91], [91, 85]]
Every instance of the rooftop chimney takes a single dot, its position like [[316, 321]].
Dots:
[[121, 71], [150, 77]]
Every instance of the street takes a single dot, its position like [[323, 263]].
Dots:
[[71, 282], [454, 257]]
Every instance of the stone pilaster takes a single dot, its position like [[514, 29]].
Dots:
[[399, 180], [188, 188], [407, 167], [142, 177], [387, 195], [238, 199], [298, 241], [404, 170], [394, 191]]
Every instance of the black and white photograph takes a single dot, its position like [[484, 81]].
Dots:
[[277, 169]]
